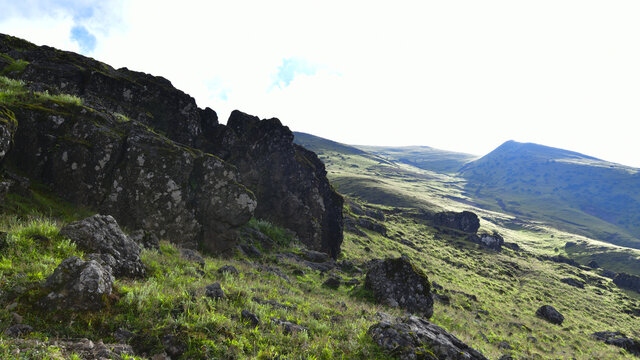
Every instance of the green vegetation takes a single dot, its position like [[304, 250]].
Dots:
[[14, 91], [14, 67]]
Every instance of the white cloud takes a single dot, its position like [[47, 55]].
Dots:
[[461, 75]]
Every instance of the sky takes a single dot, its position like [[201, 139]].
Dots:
[[456, 75]]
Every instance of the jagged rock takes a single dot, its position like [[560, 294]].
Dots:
[[8, 125], [214, 291], [396, 282], [492, 241], [627, 281], [332, 282], [289, 181], [101, 234], [250, 250], [123, 335], [250, 317], [173, 345], [78, 285], [18, 330], [413, 338], [228, 269], [550, 314], [618, 339], [145, 239], [288, 327], [573, 282], [465, 221], [350, 226]]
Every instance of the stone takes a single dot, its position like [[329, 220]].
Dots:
[[250, 318], [547, 312], [250, 250], [145, 239], [398, 283], [18, 330], [228, 269], [101, 234], [573, 282], [332, 282], [8, 125], [413, 338], [288, 180], [78, 285], [173, 346], [192, 256], [370, 224], [618, 339], [288, 327], [492, 241], [465, 221], [627, 281], [214, 291], [593, 264], [274, 304], [315, 256], [123, 335]]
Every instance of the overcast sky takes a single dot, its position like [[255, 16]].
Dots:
[[456, 75]]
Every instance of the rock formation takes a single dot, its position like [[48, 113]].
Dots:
[[413, 338], [396, 282], [134, 150], [549, 313], [618, 339], [465, 221], [627, 281]]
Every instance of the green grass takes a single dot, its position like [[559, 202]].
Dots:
[[15, 66], [14, 91]]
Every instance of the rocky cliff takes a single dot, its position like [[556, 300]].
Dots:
[[131, 145]]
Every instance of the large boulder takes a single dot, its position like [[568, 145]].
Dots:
[[549, 313], [618, 339], [465, 221], [398, 283], [78, 285], [413, 338], [289, 181], [125, 169], [492, 241], [100, 234], [627, 281]]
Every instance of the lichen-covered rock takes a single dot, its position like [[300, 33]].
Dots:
[[126, 170], [618, 339], [289, 181], [413, 338], [550, 314], [78, 285], [492, 241], [627, 281], [465, 221], [8, 127], [396, 282], [101, 234]]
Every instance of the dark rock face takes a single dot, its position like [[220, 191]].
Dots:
[[573, 282], [413, 338], [289, 181], [101, 234], [631, 282], [78, 285], [145, 239], [465, 221], [332, 282], [8, 126], [250, 317], [18, 330], [228, 269], [618, 339], [214, 291], [396, 282], [288, 327], [550, 314], [126, 170], [113, 158], [372, 225]]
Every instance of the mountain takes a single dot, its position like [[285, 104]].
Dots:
[[576, 192], [423, 157]]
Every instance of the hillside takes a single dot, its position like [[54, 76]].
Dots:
[[134, 226], [572, 191], [423, 157]]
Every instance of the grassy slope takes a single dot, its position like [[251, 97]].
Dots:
[[423, 157]]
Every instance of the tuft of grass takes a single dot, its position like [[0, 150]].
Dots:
[[279, 235], [14, 91], [14, 67]]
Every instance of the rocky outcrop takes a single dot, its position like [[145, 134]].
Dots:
[[78, 285], [125, 169], [492, 241], [134, 151], [101, 235], [618, 339], [7, 129], [627, 281], [465, 221], [398, 283], [549, 313], [289, 181], [413, 338]]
